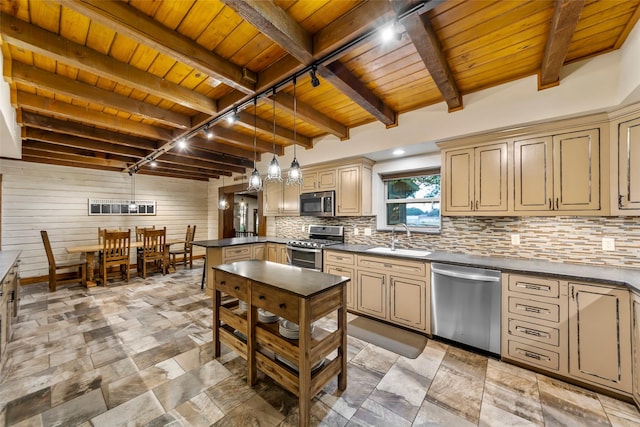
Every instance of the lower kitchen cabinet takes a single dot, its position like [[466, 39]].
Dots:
[[276, 252], [342, 264], [396, 291], [600, 335], [635, 340]]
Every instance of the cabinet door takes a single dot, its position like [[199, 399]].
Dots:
[[576, 164], [326, 179], [272, 197], [309, 181], [282, 254], [628, 161], [600, 335], [533, 173], [458, 180], [258, 251], [491, 178], [348, 192], [344, 271], [636, 347], [408, 300], [290, 200], [372, 293]]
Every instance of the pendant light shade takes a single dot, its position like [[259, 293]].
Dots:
[[295, 174], [222, 201], [274, 173], [255, 181]]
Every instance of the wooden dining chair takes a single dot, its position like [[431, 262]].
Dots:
[[116, 249], [81, 265], [153, 250], [187, 250]]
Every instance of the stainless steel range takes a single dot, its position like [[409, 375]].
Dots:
[[307, 253]]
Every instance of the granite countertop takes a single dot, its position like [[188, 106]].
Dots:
[[7, 258], [220, 243], [301, 282], [602, 274]]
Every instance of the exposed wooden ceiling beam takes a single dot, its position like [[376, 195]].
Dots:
[[244, 141], [41, 79], [213, 146], [32, 38], [86, 144], [173, 175], [37, 158], [246, 120], [134, 24], [73, 128], [184, 160], [309, 115], [72, 112], [565, 18], [426, 42], [276, 24], [342, 79], [80, 151], [185, 170], [219, 159], [36, 151]]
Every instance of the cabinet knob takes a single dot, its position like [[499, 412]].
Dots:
[[261, 297], [237, 288], [557, 204], [222, 283], [550, 205], [282, 306]]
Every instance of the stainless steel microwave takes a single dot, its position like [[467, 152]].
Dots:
[[318, 204]]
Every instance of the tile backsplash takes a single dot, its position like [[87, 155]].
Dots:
[[576, 240]]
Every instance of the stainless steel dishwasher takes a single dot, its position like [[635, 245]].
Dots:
[[465, 305]]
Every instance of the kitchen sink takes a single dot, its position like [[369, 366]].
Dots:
[[398, 251]]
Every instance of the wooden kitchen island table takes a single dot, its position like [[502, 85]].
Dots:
[[298, 295]]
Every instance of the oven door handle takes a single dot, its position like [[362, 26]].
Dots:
[[290, 248]]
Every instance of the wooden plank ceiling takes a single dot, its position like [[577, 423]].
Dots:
[[114, 84]]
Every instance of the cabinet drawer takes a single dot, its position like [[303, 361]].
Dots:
[[534, 355], [534, 286], [340, 258], [534, 309], [277, 302], [231, 284], [396, 266], [236, 253], [534, 332]]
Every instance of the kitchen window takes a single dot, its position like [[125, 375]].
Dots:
[[414, 199]]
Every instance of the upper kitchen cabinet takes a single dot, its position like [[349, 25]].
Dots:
[[475, 180], [281, 199], [353, 194], [318, 180], [558, 174], [626, 162]]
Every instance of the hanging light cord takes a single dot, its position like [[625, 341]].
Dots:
[[255, 129]]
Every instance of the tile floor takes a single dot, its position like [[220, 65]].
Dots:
[[139, 353]]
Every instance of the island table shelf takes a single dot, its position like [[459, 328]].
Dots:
[[298, 295]]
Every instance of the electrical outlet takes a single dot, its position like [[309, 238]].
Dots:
[[367, 231], [608, 244], [356, 231], [515, 239], [303, 229]]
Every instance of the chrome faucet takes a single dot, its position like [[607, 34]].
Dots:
[[393, 234]]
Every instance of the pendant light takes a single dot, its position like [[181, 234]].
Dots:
[[274, 173], [222, 201], [255, 182], [133, 208], [294, 175]]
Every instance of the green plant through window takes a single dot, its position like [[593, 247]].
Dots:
[[414, 201]]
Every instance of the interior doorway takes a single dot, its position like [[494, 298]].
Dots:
[[229, 220]]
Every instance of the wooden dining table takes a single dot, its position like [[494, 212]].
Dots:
[[90, 252]]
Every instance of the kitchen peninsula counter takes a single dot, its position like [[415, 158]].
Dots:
[[629, 277], [235, 241]]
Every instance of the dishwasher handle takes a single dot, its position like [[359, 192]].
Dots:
[[461, 275]]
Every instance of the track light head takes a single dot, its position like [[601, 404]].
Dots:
[[315, 82]]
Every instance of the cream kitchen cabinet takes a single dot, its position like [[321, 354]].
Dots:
[[394, 290], [257, 251], [475, 180], [276, 252], [280, 199], [534, 322], [635, 339], [600, 335], [353, 193], [318, 180], [558, 174], [342, 264], [628, 167]]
